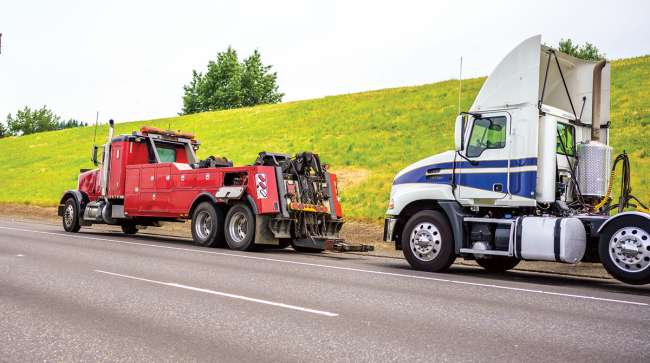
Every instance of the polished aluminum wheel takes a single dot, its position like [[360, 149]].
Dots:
[[203, 225], [238, 227], [425, 241], [629, 248], [68, 216]]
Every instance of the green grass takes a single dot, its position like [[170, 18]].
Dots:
[[365, 137]]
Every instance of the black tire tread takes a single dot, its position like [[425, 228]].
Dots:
[[76, 224], [447, 255], [632, 278], [498, 263]]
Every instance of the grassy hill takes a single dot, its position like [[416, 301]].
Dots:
[[366, 137]]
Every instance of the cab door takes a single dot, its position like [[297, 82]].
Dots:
[[484, 178]]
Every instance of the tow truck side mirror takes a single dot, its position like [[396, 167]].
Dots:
[[93, 155], [459, 133]]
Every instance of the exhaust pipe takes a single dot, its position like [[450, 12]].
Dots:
[[596, 100], [106, 159]]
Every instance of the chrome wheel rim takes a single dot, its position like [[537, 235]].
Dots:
[[203, 226], [68, 216], [629, 249], [425, 241], [238, 227]]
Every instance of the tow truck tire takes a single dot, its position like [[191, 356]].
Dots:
[[70, 217], [427, 242], [624, 249], [129, 228], [240, 228], [497, 263], [207, 225]]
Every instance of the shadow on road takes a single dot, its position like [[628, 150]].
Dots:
[[456, 271], [541, 278]]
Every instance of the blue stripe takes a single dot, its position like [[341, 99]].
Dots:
[[521, 183], [485, 164]]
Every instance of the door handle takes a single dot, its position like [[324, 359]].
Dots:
[[432, 172]]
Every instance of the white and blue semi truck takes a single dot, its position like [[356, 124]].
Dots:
[[529, 178]]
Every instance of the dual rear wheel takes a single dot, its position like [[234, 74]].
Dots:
[[210, 228]]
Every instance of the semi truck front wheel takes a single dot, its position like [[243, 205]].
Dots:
[[624, 249], [70, 218], [427, 242]]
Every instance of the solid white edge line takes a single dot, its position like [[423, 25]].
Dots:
[[341, 268], [223, 294]]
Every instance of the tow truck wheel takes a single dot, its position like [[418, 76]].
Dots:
[[240, 228], [207, 224], [624, 249], [427, 242], [497, 263], [129, 229], [71, 216]]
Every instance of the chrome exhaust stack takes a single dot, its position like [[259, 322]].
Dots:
[[106, 159]]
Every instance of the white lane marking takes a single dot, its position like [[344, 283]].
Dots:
[[20, 255], [224, 294], [593, 298]]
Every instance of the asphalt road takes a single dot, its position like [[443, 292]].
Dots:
[[96, 296]]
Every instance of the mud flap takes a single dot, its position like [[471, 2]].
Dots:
[[263, 234]]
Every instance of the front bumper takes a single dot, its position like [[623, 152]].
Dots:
[[389, 229]]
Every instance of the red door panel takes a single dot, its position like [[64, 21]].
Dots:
[[132, 191], [163, 189], [147, 178]]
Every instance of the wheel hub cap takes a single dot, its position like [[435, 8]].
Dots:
[[238, 227], [425, 241], [204, 225], [629, 248], [68, 217]]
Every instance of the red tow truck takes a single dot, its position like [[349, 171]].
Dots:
[[154, 176]]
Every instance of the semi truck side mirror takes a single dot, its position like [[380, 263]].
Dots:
[[93, 155], [459, 133]]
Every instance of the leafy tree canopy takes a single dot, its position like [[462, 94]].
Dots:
[[3, 130], [229, 83], [586, 51], [28, 121]]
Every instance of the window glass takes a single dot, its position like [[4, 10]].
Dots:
[[166, 154], [487, 133], [565, 139]]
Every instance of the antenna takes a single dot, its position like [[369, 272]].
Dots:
[[460, 83], [0, 43]]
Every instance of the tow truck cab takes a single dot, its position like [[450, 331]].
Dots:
[[154, 175]]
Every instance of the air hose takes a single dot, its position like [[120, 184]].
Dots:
[[626, 189]]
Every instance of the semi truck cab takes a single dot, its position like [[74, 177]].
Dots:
[[528, 179]]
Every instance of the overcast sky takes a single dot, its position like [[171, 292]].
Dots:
[[130, 59]]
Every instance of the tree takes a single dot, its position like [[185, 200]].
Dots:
[[229, 83], [3, 130], [28, 121], [586, 51], [70, 124]]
